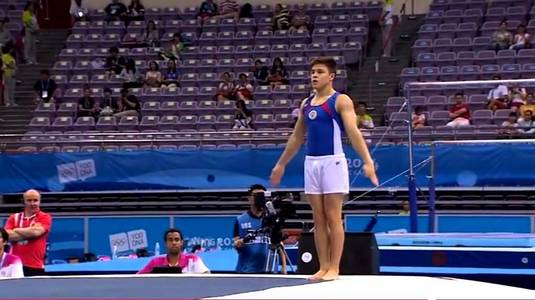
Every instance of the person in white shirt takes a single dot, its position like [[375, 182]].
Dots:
[[387, 21], [10, 265], [498, 97], [526, 123]]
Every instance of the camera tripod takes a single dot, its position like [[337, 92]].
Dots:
[[273, 258]]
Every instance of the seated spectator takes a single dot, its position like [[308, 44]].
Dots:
[[246, 11], [522, 39], [517, 101], [364, 120], [243, 117], [136, 11], [526, 123], [172, 75], [114, 63], [509, 126], [499, 96], [78, 11], [207, 10], [502, 38], [176, 46], [188, 263], [405, 208], [281, 18], [459, 112], [244, 89], [278, 74], [151, 36], [115, 11], [128, 105], [5, 35], [44, 88], [108, 104], [131, 77], [419, 118], [260, 73], [153, 77], [87, 106], [228, 9], [225, 89], [300, 21], [10, 265]]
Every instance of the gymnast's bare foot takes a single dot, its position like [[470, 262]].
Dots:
[[318, 276], [331, 275]]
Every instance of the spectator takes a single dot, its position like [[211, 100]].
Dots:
[[108, 105], [45, 88], [260, 73], [5, 35], [115, 11], [114, 63], [188, 263], [243, 118], [31, 28], [246, 11], [78, 11], [526, 123], [278, 74], [522, 39], [10, 265], [364, 120], [244, 89], [517, 101], [87, 106], [405, 208], [172, 76], [300, 21], [281, 18], [9, 68], [153, 77], [28, 231], [151, 36], [228, 9], [207, 10], [136, 11], [502, 38], [131, 77], [129, 105], [225, 88], [509, 126], [387, 22], [459, 112], [498, 97], [176, 46], [419, 118]]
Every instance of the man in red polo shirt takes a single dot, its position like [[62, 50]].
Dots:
[[28, 231]]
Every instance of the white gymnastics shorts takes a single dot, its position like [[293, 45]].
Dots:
[[327, 174]]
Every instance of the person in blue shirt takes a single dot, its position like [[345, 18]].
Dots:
[[253, 254], [324, 116]]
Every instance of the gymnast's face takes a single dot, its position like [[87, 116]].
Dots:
[[320, 76], [173, 242]]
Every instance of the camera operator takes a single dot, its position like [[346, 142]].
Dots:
[[253, 246]]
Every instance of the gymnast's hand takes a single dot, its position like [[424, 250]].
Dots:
[[369, 171], [276, 175]]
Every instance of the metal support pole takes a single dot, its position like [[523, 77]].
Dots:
[[413, 199], [432, 193]]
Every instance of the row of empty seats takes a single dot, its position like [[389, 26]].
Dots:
[[438, 103], [477, 15]]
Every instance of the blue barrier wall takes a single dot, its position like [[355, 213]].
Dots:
[[69, 238], [458, 165], [446, 223]]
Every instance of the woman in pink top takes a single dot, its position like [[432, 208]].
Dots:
[[189, 263], [10, 265]]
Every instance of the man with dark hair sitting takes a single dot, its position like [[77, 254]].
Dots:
[[44, 88], [175, 258]]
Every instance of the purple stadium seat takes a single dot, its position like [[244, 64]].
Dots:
[[482, 117], [67, 109], [84, 124], [39, 124], [106, 123], [45, 110], [168, 122], [61, 124]]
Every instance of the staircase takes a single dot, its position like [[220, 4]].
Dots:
[[14, 120], [373, 87]]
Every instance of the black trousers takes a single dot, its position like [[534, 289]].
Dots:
[[28, 272]]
